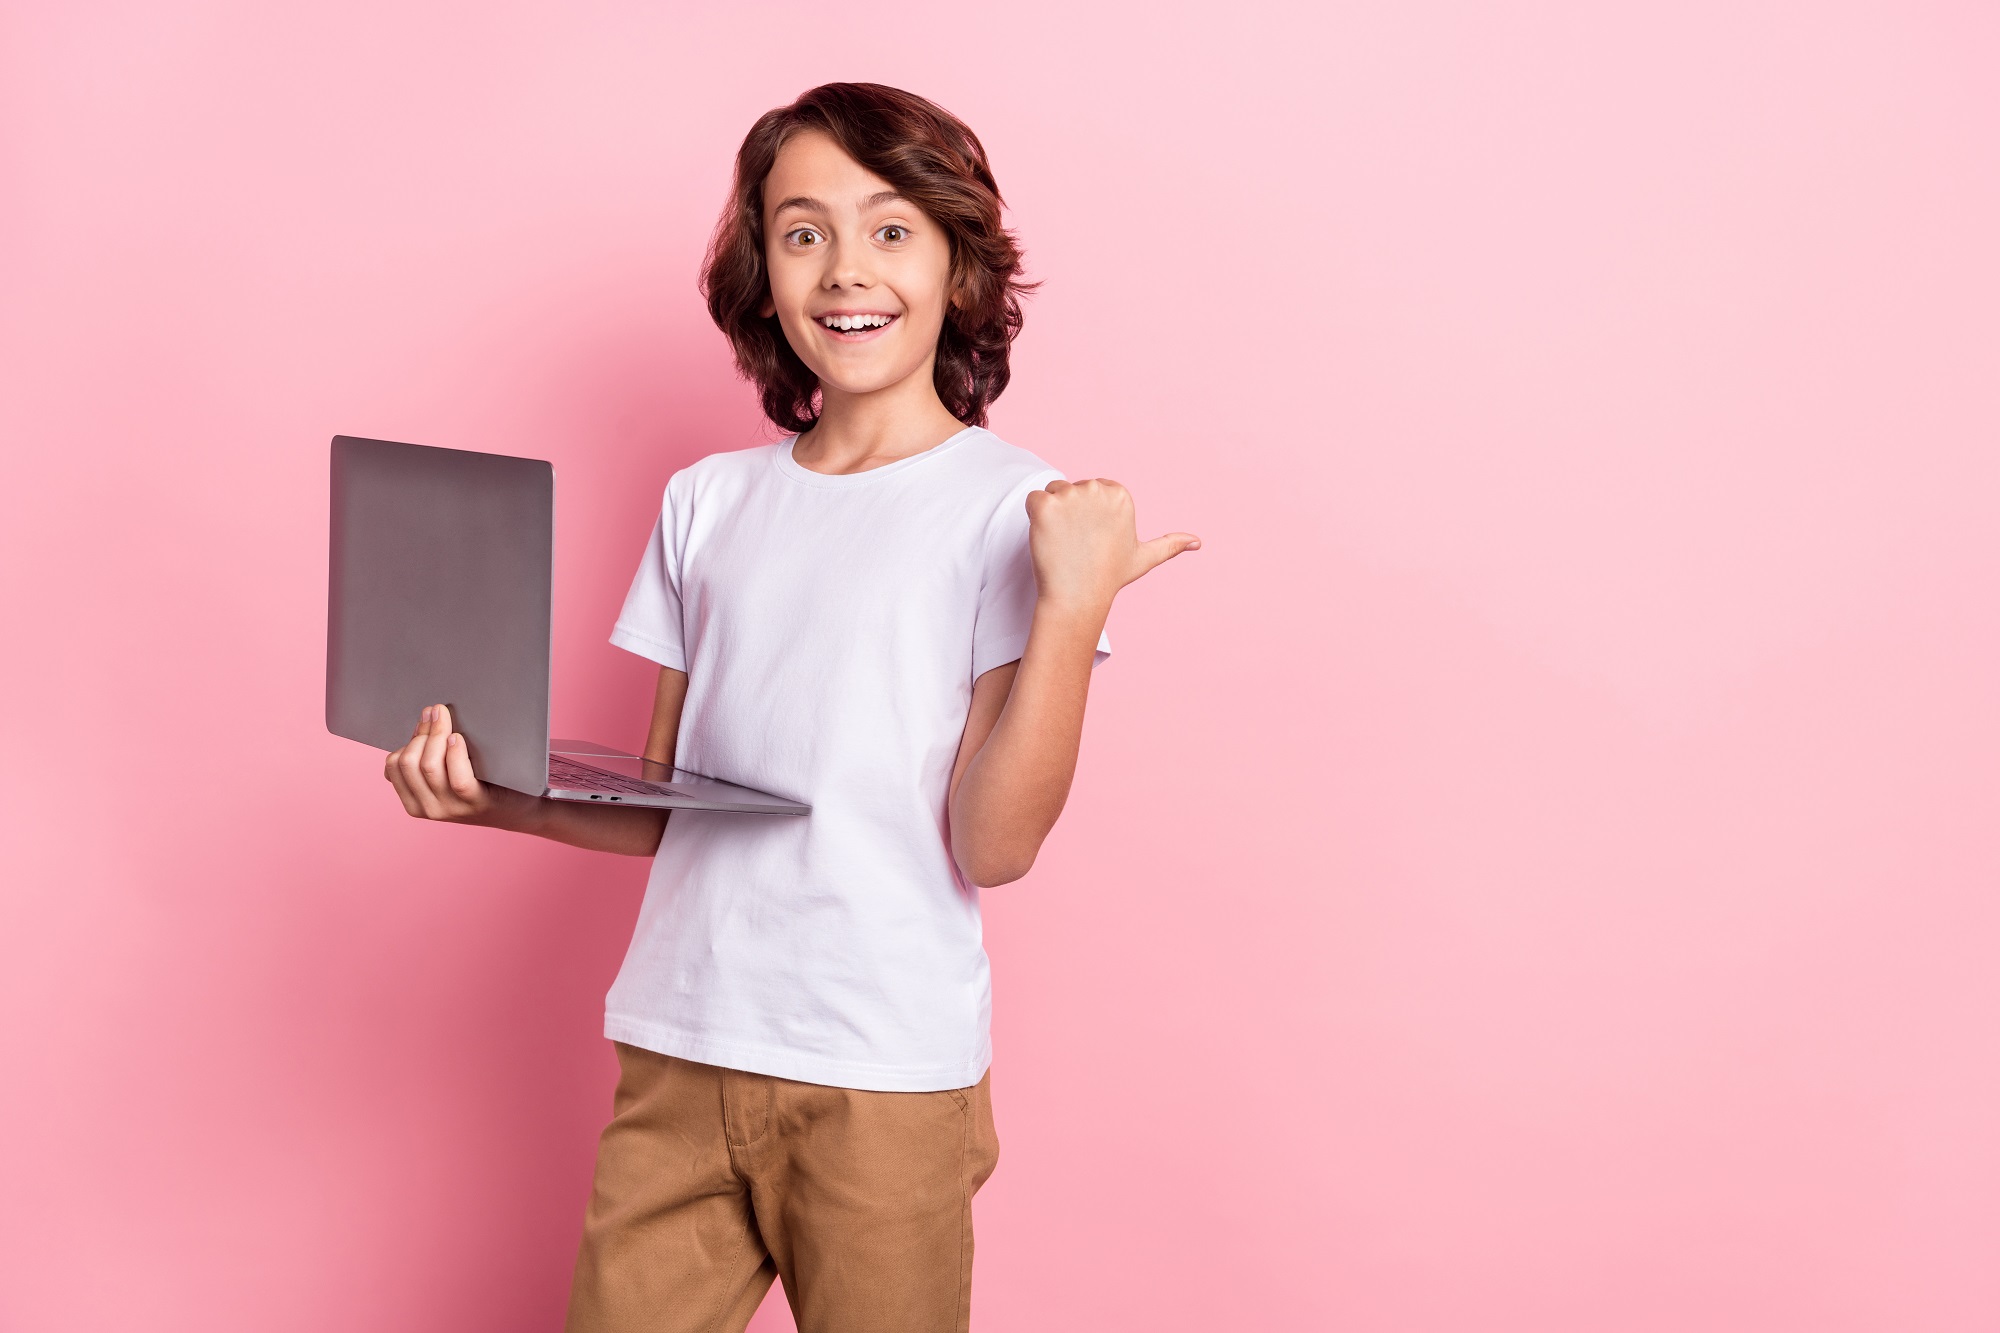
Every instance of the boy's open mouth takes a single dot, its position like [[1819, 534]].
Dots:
[[854, 326]]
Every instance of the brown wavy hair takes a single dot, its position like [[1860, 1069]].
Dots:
[[937, 163]]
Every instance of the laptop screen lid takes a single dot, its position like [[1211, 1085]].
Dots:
[[439, 591]]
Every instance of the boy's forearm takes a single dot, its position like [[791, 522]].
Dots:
[[626, 830], [1015, 787]]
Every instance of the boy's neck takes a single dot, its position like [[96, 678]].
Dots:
[[856, 432]]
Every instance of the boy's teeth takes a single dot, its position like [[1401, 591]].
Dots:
[[850, 322]]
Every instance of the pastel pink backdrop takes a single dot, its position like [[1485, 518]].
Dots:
[[1535, 869]]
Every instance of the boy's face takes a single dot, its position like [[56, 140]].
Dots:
[[860, 276]]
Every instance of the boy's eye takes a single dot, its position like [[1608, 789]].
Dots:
[[803, 236], [893, 233]]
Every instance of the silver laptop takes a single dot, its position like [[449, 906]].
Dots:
[[439, 592]]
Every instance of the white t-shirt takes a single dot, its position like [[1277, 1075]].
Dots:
[[831, 628]]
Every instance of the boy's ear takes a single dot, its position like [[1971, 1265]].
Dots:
[[957, 293], [767, 307]]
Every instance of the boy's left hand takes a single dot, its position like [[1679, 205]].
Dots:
[[1084, 537]]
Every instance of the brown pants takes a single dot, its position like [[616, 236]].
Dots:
[[711, 1182]]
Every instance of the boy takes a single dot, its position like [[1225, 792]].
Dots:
[[891, 615]]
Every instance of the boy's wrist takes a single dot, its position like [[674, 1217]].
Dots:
[[514, 811], [1080, 613]]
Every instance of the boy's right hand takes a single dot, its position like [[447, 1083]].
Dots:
[[433, 776]]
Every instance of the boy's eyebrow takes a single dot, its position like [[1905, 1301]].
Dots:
[[812, 205], [805, 201]]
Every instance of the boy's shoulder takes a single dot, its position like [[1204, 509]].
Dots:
[[728, 463], [996, 477], [722, 473], [988, 452]]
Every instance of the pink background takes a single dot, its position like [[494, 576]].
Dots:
[[1534, 870]]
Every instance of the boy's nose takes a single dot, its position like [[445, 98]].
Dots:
[[846, 268]]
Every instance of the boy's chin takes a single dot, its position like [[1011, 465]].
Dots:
[[845, 382]]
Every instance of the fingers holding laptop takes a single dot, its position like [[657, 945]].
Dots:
[[432, 773]]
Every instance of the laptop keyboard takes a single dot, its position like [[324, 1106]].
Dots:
[[568, 775]]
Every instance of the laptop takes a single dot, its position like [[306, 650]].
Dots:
[[439, 591]]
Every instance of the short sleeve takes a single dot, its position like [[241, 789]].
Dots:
[[650, 623], [1007, 585]]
